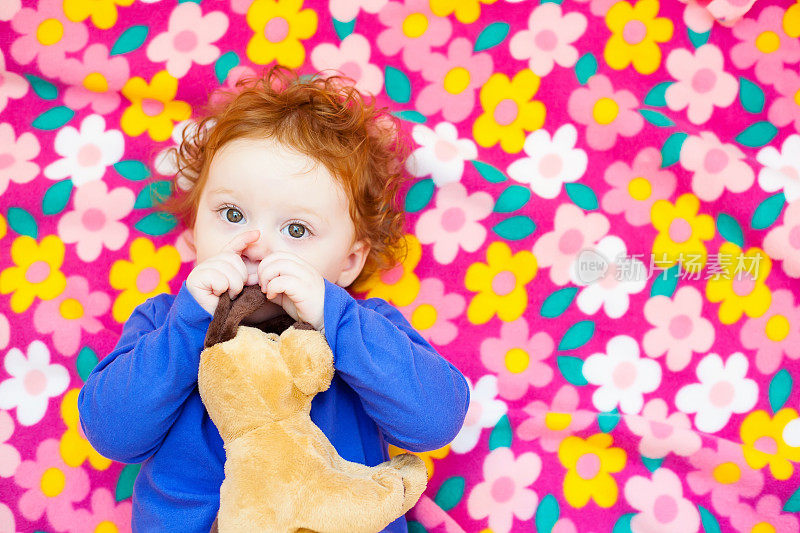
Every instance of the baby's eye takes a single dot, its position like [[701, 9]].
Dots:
[[236, 217], [296, 230]]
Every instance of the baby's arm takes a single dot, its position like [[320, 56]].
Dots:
[[416, 397], [132, 397]]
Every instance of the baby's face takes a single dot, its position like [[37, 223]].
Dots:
[[295, 203]]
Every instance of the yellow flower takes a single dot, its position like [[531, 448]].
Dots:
[[75, 449], [762, 442], [279, 26], [634, 34], [509, 111], [741, 286], [791, 21], [500, 283], [398, 285], [144, 276], [103, 12], [681, 232], [467, 11], [37, 272], [427, 457], [589, 464], [152, 106], [3, 226]]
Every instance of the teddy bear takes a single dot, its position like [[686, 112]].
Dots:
[[282, 474]]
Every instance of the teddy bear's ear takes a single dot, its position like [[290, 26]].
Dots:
[[230, 313], [309, 358]]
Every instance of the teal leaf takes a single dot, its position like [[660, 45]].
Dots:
[[416, 527], [43, 88], [665, 282], [793, 503], [492, 35], [156, 223], [607, 421], [343, 29], [132, 170], [768, 211], [656, 119], [515, 228], [224, 65], [411, 116], [655, 97], [153, 193], [57, 197], [652, 464], [547, 514], [555, 304], [22, 222], [397, 86], [450, 492], [125, 481], [552, 1], [53, 118], [710, 523], [501, 434], [582, 196], [698, 39], [750, 96], [671, 151], [572, 369], [730, 229], [623, 524], [488, 172], [87, 360], [585, 68], [779, 389], [513, 198], [757, 134], [577, 335], [419, 195], [130, 40]]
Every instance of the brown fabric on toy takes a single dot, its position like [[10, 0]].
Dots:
[[282, 474]]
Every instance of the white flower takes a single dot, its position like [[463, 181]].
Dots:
[[351, 58], [442, 153], [623, 376], [32, 383], [166, 163], [781, 169], [347, 10], [86, 153], [550, 162], [722, 390], [485, 410]]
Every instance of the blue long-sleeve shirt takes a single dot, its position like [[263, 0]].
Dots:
[[141, 403]]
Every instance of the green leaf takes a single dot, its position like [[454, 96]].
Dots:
[[607, 421], [132, 170], [780, 388], [698, 39], [416, 527], [652, 464], [515, 228], [655, 97], [710, 523], [57, 197], [547, 514], [397, 86], [419, 195], [665, 282], [577, 335], [582, 195], [450, 492], [750, 96], [130, 40], [491, 36], [157, 223], [343, 29], [87, 360], [793, 503], [555, 304], [513, 198], [501, 435], [53, 118], [153, 193], [488, 172], [671, 151], [757, 134], [730, 229], [125, 481], [768, 211], [585, 68], [43, 88], [572, 369], [656, 119], [623, 524], [224, 65], [411, 116], [22, 222]]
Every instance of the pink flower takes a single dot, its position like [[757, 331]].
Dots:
[[783, 242], [767, 511], [52, 487], [573, 231], [662, 434], [785, 109], [702, 82], [95, 222], [11, 85], [680, 328], [16, 155], [599, 8], [607, 113], [716, 166], [548, 39], [454, 222], [636, 188], [351, 58], [9, 455], [454, 79], [774, 333], [430, 312], [97, 80], [696, 16], [414, 29], [188, 39], [74, 310], [8, 9], [661, 502], [104, 509], [504, 494], [61, 36], [517, 358], [235, 74], [552, 423], [725, 474], [764, 43]]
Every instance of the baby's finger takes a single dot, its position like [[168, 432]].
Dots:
[[235, 260], [275, 267], [241, 241], [287, 285], [232, 275]]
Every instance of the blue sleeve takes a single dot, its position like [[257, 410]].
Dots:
[[132, 397], [416, 397]]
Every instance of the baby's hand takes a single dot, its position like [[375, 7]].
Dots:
[[219, 273], [294, 284]]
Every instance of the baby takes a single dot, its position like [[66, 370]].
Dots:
[[290, 184]]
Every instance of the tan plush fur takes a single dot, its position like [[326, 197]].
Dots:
[[282, 474]]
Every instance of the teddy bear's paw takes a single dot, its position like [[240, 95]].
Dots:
[[389, 478], [415, 477]]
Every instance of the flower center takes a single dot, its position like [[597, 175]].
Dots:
[[473, 414], [95, 82], [393, 275], [665, 509], [727, 473], [794, 237], [634, 32], [624, 375], [639, 188], [456, 80], [557, 421], [35, 382], [106, 527], [503, 489], [742, 284], [766, 444], [6, 160], [93, 219], [715, 160], [351, 69], [445, 151], [777, 328], [763, 527], [186, 41], [588, 466], [721, 394], [768, 41], [517, 360], [704, 80], [152, 107], [415, 25], [797, 97], [680, 230], [550, 165], [424, 316], [503, 283], [53, 482], [680, 326], [89, 155], [453, 219], [605, 110], [570, 242], [546, 40], [37, 272], [506, 112], [49, 32], [71, 309], [276, 30], [660, 430], [147, 280]]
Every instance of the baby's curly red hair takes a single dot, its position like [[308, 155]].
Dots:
[[323, 117]]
